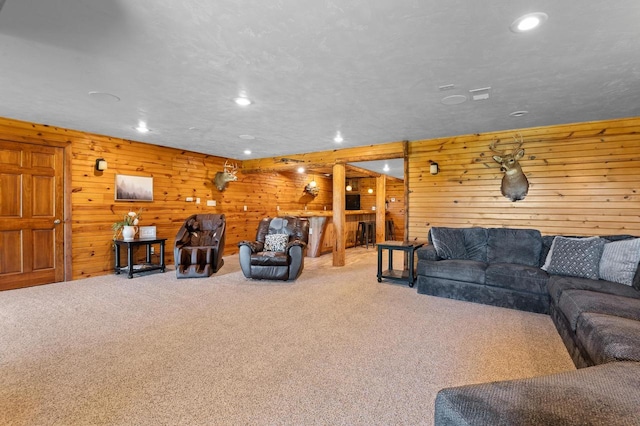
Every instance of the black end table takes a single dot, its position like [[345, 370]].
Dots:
[[148, 266], [408, 275]]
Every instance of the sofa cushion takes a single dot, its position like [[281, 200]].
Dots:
[[449, 242], [475, 243], [601, 395], [456, 269], [521, 246], [269, 258], [578, 258], [619, 261], [558, 283], [573, 303], [517, 277], [609, 338]]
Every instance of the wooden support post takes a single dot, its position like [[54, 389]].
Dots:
[[381, 193], [339, 218], [405, 150]]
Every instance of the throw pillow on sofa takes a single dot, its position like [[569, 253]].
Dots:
[[448, 242], [547, 261], [577, 258], [620, 260]]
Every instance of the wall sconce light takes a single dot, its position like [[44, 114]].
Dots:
[[434, 168], [349, 188], [370, 190], [101, 164]]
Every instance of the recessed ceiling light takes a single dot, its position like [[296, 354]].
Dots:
[[528, 22], [453, 99], [242, 101], [518, 113], [247, 152], [386, 168], [104, 97], [247, 137], [338, 138], [301, 169], [142, 127]]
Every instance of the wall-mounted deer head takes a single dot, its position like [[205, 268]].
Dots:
[[514, 183], [222, 179]]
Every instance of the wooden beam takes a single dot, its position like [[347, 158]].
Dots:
[[339, 217], [381, 190], [405, 151], [324, 158]]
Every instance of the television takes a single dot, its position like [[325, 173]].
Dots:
[[352, 202]]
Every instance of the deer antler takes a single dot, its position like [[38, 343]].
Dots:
[[492, 147], [519, 142]]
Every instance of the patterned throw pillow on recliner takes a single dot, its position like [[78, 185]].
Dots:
[[276, 242]]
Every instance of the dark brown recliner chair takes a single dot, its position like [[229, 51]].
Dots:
[[273, 256], [199, 245]]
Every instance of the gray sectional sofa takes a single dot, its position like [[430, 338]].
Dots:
[[591, 289]]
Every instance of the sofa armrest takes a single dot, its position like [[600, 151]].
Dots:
[[427, 252], [296, 243], [255, 246]]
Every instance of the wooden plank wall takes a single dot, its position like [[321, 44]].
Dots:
[[176, 175], [584, 180]]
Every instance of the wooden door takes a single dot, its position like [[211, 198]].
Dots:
[[31, 215]]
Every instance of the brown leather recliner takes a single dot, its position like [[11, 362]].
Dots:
[[199, 245], [271, 257]]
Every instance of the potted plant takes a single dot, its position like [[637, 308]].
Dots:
[[128, 226]]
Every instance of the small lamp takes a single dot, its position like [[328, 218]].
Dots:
[[101, 164], [434, 168]]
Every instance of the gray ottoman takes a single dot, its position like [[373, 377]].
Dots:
[[606, 394]]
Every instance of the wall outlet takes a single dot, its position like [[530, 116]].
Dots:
[[197, 200], [245, 208], [189, 199], [211, 203]]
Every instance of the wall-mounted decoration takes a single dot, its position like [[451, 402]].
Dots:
[[515, 184], [134, 188], [228, 174], [312, 189], [148, 232]]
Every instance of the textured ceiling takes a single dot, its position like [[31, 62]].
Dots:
[[370, 69]]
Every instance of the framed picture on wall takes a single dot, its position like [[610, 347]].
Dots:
[[134, 188]]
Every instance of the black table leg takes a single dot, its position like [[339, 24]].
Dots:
[[117, 249], [130, 260], [162, 265]]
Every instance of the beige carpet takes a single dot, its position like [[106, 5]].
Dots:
[[335, 347]]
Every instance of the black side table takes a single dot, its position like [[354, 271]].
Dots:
[[148, 266], [408, 275]]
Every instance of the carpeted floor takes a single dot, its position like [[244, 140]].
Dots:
[[335, 347]]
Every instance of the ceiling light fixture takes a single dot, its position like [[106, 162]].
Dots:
[[453, 99], [528, 22], [242, 101], [300, 169], [247, 152], [386, 168], [142, 127], [518, 113], [338, 138]]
